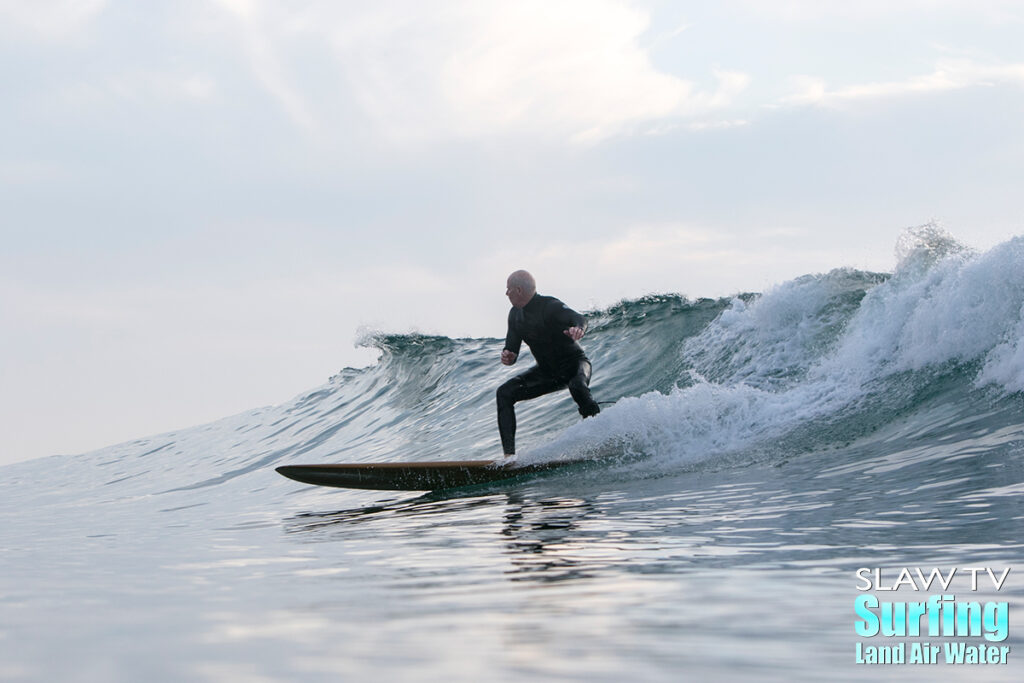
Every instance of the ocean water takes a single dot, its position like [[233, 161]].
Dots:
[[759, 451]]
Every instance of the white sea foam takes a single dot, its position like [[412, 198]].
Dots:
[[804, 351]]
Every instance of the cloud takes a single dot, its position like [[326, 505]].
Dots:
[[948, 75], [138, 86], [871, 11], [47, 19], [566, 68], [642, 248], [262, 29], [28, 172], [569, 69], [662, 257]]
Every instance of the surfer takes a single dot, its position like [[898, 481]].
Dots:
[[552, 330]]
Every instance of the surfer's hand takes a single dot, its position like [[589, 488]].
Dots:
[[508, 358], [574, 333]]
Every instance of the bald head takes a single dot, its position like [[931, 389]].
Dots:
[[523, 280], [520, 288]]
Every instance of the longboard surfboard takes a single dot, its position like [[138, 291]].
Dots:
[[414, 476]]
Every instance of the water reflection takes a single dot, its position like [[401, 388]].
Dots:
[[539, 538], [543, 539]]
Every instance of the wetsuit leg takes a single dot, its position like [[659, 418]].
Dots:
[[579, 387], [531, 384]]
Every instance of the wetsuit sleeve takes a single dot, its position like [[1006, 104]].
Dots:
[[562, 317], [513, 342]]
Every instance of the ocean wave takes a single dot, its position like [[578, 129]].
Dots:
[[820, 364], [823, 361]]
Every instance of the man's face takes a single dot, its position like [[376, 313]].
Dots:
[[516, 295]]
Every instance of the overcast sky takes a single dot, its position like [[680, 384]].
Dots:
[[203, 202]]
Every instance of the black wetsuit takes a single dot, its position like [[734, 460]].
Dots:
[[561, 362]]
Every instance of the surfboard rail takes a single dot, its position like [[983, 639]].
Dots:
[[412, 476]]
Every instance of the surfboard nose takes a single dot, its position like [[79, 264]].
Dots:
[[296, 472]]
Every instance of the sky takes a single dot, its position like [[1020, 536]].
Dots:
[[205, 204]]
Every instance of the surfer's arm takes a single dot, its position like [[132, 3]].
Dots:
[[572, 324], [513, 342]]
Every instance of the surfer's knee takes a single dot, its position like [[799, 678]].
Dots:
[[506, 393]]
